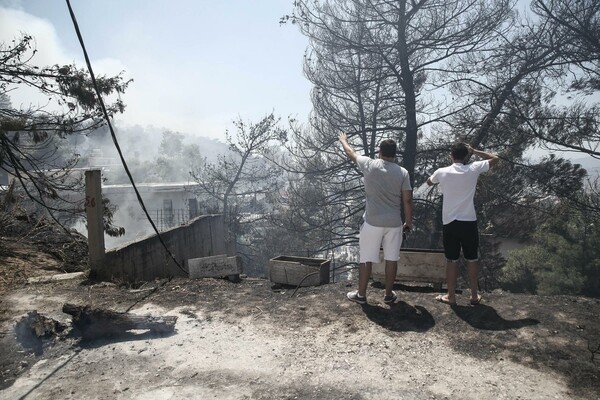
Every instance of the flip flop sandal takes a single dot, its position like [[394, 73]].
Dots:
[[443, 299], [476, 302]]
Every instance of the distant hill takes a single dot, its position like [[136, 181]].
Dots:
[[144, 143]]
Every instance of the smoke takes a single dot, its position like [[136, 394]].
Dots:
[[160, 162]]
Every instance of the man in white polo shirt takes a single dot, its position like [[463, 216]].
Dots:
[[457, 184], [387, 188]]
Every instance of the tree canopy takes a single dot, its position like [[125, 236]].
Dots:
[[429, 73], [33, 137]]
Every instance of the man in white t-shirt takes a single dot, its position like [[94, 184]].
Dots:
[[457, 184], [387, 189]]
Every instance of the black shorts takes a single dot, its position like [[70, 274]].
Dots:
[[461, 235]]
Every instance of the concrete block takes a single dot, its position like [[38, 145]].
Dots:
[[214, 266], [415, 265]]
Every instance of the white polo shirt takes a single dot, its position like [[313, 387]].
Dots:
[[457, 184]]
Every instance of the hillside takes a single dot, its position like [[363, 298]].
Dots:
[[249, 340]]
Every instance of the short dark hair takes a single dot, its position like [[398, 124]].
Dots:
[[388, 148], [459, 151]]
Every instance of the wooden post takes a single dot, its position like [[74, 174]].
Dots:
[[95, 224]]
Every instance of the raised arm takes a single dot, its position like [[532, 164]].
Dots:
[[349, 150], [492, 158]]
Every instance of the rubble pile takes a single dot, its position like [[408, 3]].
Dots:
[[29, 243]]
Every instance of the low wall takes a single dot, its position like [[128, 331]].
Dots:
[[415, 265], [147, 259]]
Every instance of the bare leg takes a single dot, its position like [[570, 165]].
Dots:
[[451, 278], [391, 268], [364, 273], [472, 269]]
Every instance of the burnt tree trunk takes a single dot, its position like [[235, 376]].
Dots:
[[95, 322]]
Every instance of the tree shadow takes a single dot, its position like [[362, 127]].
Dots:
[[556, 341], [415, 287], [487, 318], [400, 317], [128, 336]]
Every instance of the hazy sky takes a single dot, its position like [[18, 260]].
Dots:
[[196, 64]]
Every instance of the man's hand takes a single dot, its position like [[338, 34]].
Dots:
[[492, 158], [406, 229], [347, 149]]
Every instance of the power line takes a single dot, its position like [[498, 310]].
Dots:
[[114, 137]]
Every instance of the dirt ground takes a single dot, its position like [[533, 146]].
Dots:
[[248, 340], [251, 340]]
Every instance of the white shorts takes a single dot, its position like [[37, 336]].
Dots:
[[372, 238]]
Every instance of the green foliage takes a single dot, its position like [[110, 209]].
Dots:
[[518, 275], [564, 259], [535, 270]]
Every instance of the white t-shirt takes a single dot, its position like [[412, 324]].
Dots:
[[384, 183], [457, 184]]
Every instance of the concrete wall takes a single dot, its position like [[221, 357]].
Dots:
[[147, 259]]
